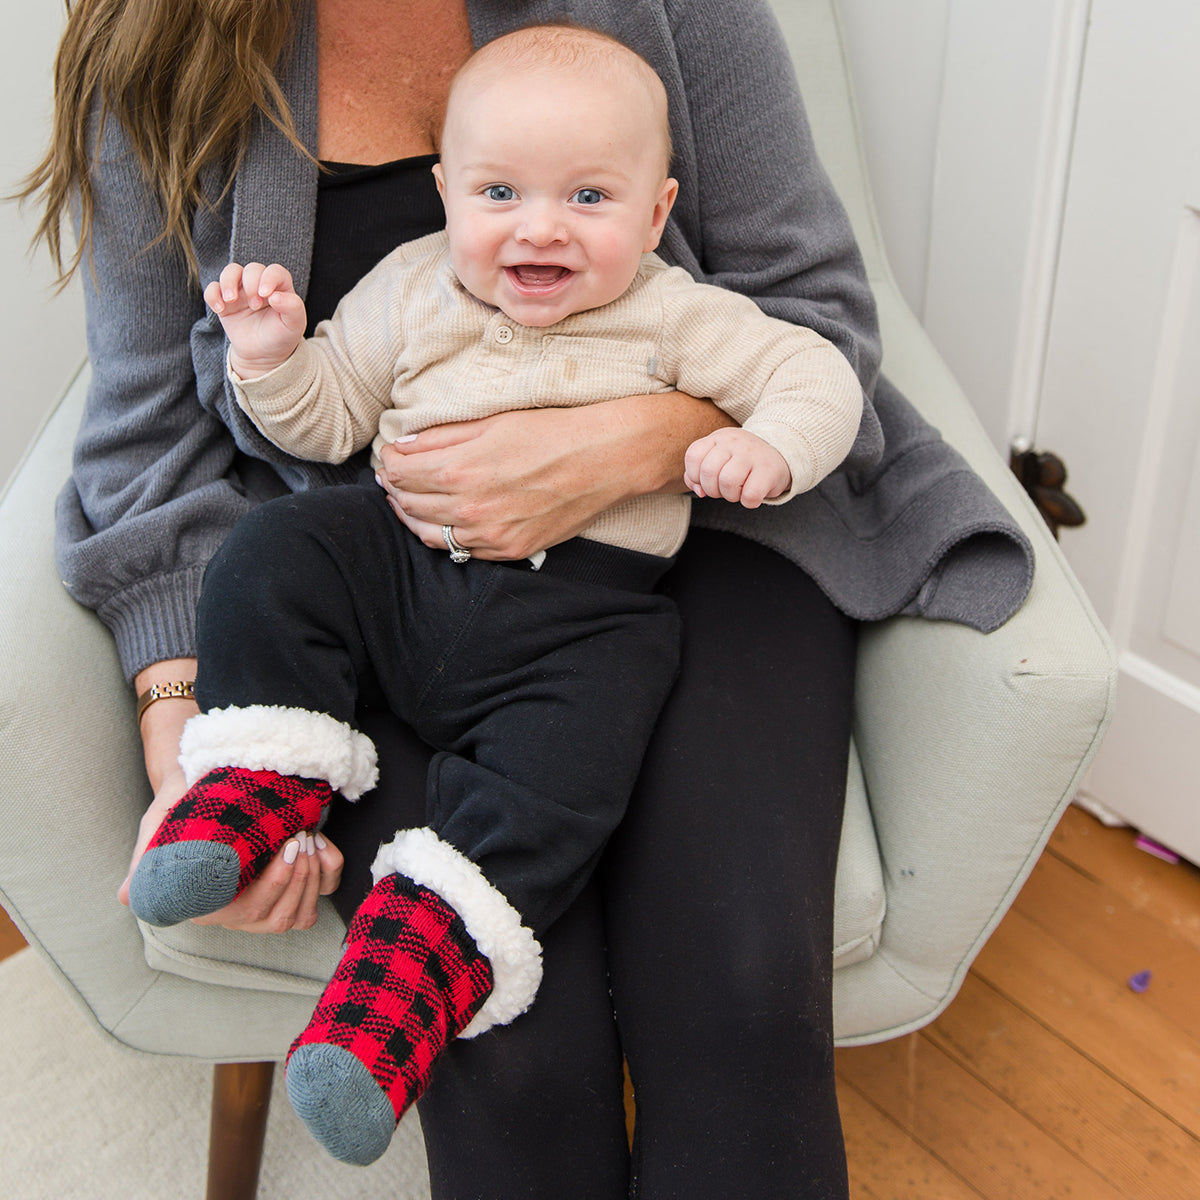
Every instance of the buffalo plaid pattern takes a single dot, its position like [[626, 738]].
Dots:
[[409, 981], [254, 812]]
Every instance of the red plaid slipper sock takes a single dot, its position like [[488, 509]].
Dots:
[[218, 838], [409, 981]]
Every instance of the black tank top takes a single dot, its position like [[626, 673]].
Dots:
[[363, 213]]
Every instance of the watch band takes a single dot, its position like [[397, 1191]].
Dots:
[[181, 689]]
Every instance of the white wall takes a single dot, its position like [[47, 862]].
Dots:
[[897, 59], [41, 334], [967, 114]]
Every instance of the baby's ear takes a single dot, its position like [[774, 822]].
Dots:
[[440, 178], [662, 210]]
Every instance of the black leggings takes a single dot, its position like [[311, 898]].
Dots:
[[711, 920]]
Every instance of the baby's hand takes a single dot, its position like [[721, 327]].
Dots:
[[736, 465], [261, 314]]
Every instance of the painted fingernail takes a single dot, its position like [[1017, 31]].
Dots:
[[321, 842], [290, 851], [310, 846], [408, 437]]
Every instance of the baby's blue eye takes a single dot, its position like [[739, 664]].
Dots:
[[588, 196], [499, 192]]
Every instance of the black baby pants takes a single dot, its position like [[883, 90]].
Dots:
[[538, 689]]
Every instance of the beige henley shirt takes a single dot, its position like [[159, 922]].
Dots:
[[409, 347]]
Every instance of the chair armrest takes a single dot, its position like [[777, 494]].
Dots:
[[61, 671], [971, 744], [74, 789]]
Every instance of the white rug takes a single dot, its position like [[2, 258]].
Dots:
[[83, 1119]]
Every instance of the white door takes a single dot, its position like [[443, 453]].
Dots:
[[1120, 401]]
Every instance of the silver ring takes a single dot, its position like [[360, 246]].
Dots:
[[458, 554]]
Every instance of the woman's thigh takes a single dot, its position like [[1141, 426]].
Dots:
[[719, 887]]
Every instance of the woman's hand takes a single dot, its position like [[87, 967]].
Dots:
[[285, 895], [519, 482]]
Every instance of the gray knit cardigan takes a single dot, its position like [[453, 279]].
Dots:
[[166, 462]]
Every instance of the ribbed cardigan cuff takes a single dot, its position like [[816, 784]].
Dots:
[[154, 619]]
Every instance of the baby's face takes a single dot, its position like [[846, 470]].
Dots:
[[554, 185]]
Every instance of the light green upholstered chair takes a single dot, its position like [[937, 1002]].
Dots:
[[967, 748]]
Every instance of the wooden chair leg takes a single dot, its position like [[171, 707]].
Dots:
[[241, 1099]]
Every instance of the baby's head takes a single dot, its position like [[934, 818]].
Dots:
[[553, 171]]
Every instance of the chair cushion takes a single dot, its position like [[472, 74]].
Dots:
[[860, 900]]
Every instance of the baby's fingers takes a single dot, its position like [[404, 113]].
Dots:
[[694, 462], [213, 297], [231, 282], [760, 484], [224, 294], [275, 279], [252, 274], [716, 475]]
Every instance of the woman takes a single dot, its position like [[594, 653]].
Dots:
[[711, 917]]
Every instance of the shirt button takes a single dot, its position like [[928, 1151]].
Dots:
[[504, 335]]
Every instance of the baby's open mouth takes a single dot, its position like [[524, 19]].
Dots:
[[534, 275]]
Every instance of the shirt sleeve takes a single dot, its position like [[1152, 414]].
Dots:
[[325, 401], [153, 488], [783, 382]]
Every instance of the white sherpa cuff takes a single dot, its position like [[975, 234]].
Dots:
[[494, 925], [292, 741]]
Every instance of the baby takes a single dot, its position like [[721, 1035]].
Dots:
[[539, 681]]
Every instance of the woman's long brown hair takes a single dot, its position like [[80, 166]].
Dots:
[[183, 77]]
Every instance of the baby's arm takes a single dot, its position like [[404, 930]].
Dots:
[[263, 317], [736, 465], [795, 396]]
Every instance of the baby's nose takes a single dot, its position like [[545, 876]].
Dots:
[[542, 227]]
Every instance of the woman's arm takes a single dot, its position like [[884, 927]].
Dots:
[[152, 491], [519, 482], [756, 211]]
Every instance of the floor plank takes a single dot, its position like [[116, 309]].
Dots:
[[1079, 1104], [1167, 892], [1104, 929], [1098, 1014], [885, 1163], [979, 1136], [10, 938], [1048, 1075]]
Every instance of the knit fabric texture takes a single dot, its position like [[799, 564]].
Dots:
[[218, 838], [409, 347], [409, 981]]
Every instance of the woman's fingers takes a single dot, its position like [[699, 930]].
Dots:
[[331, 862], [275, 901]]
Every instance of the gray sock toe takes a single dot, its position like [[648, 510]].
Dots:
[[342, 1105], [183, 880]]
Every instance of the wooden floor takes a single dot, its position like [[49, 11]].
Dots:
[[1048, 1076]]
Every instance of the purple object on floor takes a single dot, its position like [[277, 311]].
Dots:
[[1159, 851], [1140, 982]]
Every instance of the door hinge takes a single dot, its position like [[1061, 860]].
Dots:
[[1044, 475]]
